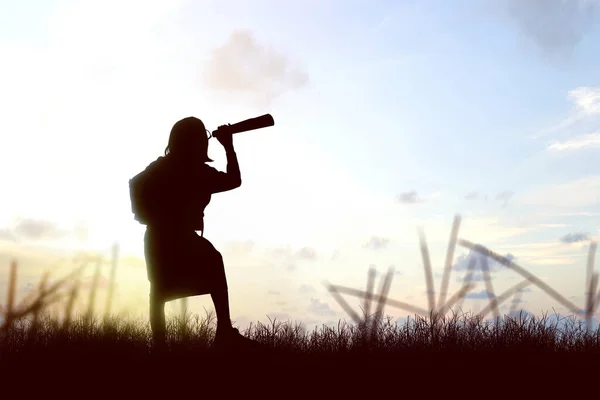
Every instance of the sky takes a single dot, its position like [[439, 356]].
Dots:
[[390, 116]]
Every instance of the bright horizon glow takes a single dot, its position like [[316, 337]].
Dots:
[[392, 117]]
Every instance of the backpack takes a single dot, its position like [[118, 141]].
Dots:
[[144, 194], [156, 198]]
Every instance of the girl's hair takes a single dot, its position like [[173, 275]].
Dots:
[[188, 134]]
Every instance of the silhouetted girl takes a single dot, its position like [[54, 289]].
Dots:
[[170, 196]]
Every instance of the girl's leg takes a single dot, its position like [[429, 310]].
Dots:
[[220, 294], [152, 244], [157, 316]]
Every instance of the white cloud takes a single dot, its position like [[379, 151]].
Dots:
[[435, 195], [553, 225], [546, 253], [585, 106], [571, 214], [581, 192], [244, 66], [588, 141], [586, 100]]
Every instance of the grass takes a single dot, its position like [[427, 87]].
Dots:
[[442, 338], [459, 333], [119, 351]]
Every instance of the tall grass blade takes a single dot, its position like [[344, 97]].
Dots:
[[428, 271], [490, 287], [390, 302], [10, 301], [467, 280], [503, 297], [449, 261], [382, 298], [369, 297], [112, 280], [523, 272]]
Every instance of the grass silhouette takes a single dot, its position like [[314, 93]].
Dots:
[[441, 336]]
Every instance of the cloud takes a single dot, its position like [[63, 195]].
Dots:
[[476, 277], [585, 106], [320, 308], [537, 250], [555, 26], [520, 314], [484, 294], [42, 230], [504, 197], [29, 228], [553, 225], [471, 196], [242, 65], [306, 289], [462, 262], [408, 198], [586, 100], [290, 266], [239, 247], [574, 237], [581, 192], [377, 243], [279, 315], [335, 255], [383, 273], [562, 321], [412, 197], [7, 235], [287, 257], [306, 253], [582, 142]]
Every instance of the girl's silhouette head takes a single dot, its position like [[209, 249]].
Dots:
[[189, 140]]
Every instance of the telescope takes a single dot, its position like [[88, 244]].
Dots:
[[251, 124]]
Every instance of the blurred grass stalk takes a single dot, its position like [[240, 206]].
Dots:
[[436, 310], [12, 283], [443, 305], [112, 279], [38, 301]]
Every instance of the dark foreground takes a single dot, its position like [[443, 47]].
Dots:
[[531, 354], [192, 372]]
